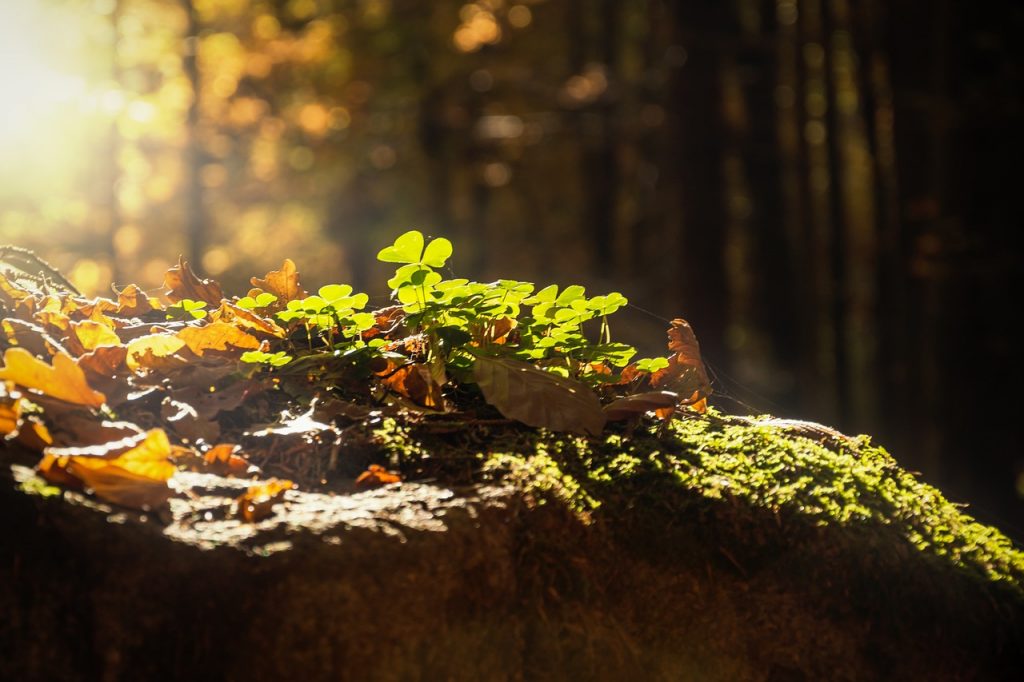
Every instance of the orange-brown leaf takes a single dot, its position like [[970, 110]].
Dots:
[[136, 477], [63, 379], [182, 283], [224, 459], [376, 476], [246, 319], [414, 381], [258, 501], [132, 301], [283, 283], [217, 336], [10, 416], [685, 373]]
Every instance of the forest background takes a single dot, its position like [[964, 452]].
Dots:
[[826, 189]]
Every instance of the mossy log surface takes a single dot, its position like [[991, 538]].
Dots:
[[715, 549]]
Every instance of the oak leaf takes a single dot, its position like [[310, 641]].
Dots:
[[258, 501], [521, 391], [144, 351], [63, 379], [134, 478], [283, 283], [223, 459], [132, 301], [92, 335], [246, 319], [183, 283], [685, 373], [217, 336], [376, 476]]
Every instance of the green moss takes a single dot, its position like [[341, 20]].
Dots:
[[697, 463]]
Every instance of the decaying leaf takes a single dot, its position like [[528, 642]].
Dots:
[[640, 403], [182, 283], [217, 336], [132, 301], [258, 501], [223, 459], [283, 283], [135, 478], [685, 373], [414, 381], [537, 398], [29, 336], [246, 319], [145, 350], [10, 416], [92, 335], [376, 476], [63, 379]]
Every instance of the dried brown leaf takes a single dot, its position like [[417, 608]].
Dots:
[[183, 283], [640, 403], [283, 283], [376, 476], [258, 501], [521, 391]]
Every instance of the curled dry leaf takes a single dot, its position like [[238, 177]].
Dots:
[[217, 336], [283, 283], [63, 379], [376, 476], [537, 398], [685, 373], [182, 283], [29, 336], [135, 478], [414, 381], [224, 459], [640, 403], [246, 319], [132, 301], [258, 501], [10, 415]]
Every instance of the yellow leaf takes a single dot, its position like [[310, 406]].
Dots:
[[10, 415], [93, 335], [64, 379], [157, 345], [135, 478], [258, 501], [217, 336]]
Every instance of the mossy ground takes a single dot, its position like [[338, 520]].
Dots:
[[850, 485]]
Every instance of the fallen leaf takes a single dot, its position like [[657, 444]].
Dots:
[[258, 501], [10, 416], [145, 350], [92, 335], [246, 319], [521, 391], [134, 478], [640, 403], [63, 379], [283, 283], [223, 459], [376, 476], [29, 336], [132, 301], [685, 373], [182, 283], [217, 336], [414, 381]]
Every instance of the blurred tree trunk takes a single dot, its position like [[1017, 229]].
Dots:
[[195, 219]]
